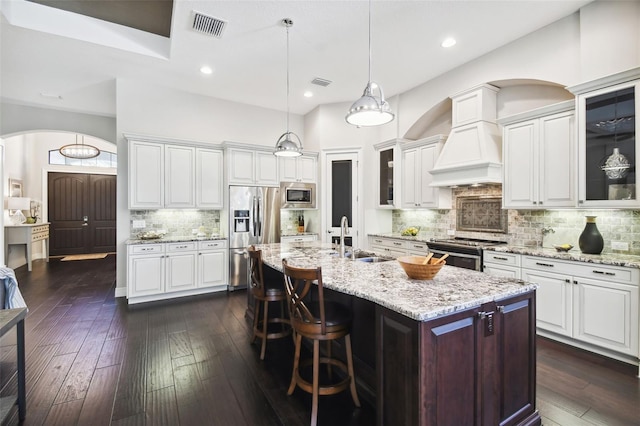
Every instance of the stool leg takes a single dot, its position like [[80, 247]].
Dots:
[[354, 394], [316, 383], [329, 368], [296, 362], [256, 313], [265, 323]]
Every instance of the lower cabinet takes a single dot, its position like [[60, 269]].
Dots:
[[475, 367], [389, 246], [501, 264], [298, 238], [166, 270]]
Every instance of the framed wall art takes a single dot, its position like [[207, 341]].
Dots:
[[15, 187]]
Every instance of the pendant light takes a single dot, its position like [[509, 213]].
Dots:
[[370, 110], [79, 150], [286, 146]]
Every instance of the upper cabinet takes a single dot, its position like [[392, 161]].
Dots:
[[388, 173], [539, 151], [607, 134], [299, 169], [252, 167], [173, 175], [418, 159]]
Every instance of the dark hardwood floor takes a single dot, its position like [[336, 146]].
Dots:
[[93, 360]]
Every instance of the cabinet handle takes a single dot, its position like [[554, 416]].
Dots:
[[482, 315], [500, 308], [397, 244], [595, 271], [567, 280], [575, 282], [535, 202], [580, 201], [540, 203], [500, 258], [545, 264]]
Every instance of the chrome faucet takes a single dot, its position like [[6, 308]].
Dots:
[[344, 230]]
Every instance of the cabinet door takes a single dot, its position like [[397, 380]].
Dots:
[[146, 175], [241, 166], [501, 270], [427, 195], [308, 169], [554, 300], [606, 314], [266, 165], [181, 271], [209, 178], [520, 187], [145, 276], [212, 268], [179, 175], [410, 178], [557, 161], [288, 169]]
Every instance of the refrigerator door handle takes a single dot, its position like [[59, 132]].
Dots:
[[259, 233], [255, 216]]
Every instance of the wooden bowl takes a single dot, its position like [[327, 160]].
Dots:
[[416, 270]]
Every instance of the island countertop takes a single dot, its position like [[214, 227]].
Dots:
[[385, 283]]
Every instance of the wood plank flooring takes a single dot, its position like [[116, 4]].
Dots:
[[94, 360]]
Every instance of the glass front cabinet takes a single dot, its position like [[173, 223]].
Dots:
[[607, 135], [388, 178]]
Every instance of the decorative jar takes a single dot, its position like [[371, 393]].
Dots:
[[590, 240]]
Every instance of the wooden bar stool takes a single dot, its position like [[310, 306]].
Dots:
[[317, 321], [263, 296]]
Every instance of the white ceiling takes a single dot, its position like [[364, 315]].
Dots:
[[329, 39]]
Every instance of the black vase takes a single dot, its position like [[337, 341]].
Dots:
[[590, 240]]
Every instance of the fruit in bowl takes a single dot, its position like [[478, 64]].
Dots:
[[411, 231], [563, 247]]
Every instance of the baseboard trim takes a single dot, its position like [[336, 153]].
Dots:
[[121, 292]]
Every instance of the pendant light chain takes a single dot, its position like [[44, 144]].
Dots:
[[288, 23]]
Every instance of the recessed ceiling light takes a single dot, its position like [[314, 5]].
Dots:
[[448, 42], [51, 95], [206, 70], [308, 94]]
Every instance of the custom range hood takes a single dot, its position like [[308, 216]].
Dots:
[[473, 151]]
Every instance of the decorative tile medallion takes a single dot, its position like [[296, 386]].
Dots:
[[481, 214]]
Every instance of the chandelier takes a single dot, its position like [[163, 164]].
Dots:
[[79, 150]]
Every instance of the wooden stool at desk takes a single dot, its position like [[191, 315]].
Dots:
[[263, 295], [317, 321]]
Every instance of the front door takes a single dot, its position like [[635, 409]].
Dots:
[[82, 213], [342, 196]]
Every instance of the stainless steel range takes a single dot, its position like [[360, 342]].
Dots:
[[463, 252]]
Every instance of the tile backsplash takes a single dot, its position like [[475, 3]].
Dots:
[[178, 222], [525, 227]]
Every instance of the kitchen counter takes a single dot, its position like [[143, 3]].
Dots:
[[422, 238], [173, 239], [573, 255], [296, 234], [386, 284]]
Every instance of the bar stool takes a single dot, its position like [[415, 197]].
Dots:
[[317, 321], [263, 296]]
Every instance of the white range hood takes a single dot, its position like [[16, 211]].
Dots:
[[473, 151]]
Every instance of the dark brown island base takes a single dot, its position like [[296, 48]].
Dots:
[[455, 350]]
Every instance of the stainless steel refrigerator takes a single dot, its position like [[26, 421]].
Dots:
[[254, 218]]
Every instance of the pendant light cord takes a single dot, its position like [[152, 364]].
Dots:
[[288, 24], [370, 50]]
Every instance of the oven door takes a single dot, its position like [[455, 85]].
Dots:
[[467, 261]]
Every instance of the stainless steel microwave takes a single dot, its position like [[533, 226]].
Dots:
[[298, 195]]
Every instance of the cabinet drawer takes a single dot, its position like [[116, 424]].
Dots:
[[177, 247], [389, 242], [212, 245], [146, 248], [40, 229], [419, 248], [582, 269], [510, 259]]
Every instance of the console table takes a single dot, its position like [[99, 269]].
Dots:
[[9, 318], [26, 234]]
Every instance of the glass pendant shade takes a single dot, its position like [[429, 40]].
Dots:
[[370, 110], [616, 166], [79, 150], [286, 146]]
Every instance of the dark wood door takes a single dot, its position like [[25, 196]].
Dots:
[[82, 212]]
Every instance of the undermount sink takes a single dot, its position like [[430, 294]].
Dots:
[[364, 256]]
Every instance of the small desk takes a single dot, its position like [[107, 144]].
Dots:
[[9, 318], [27, 234]]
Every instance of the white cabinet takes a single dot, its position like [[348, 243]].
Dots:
[[252, 167], [388, 246], [418, 159], [606, 109], [209, 181], [212, 264], [417, 249], [299, 169], [165, 270], [387, 174], [501, 264], [596, 306], [174, 175], [539, 151], [298, 238]]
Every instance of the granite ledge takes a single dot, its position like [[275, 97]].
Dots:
[[574, 255], [420, 238], [173, 239]]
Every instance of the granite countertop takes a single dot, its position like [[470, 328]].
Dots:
[[418, 238], [574, 254], [296, 234], [385, 283], [173, 239]]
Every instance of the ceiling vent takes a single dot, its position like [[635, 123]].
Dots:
[[321, 82], [208, 24]]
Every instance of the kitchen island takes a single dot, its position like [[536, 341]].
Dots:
[[458, 349]]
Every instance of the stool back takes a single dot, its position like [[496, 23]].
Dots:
[[298, 283], [256, 276]]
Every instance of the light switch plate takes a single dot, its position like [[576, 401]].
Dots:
[[451, 232], [137, 224], [619, 245]]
